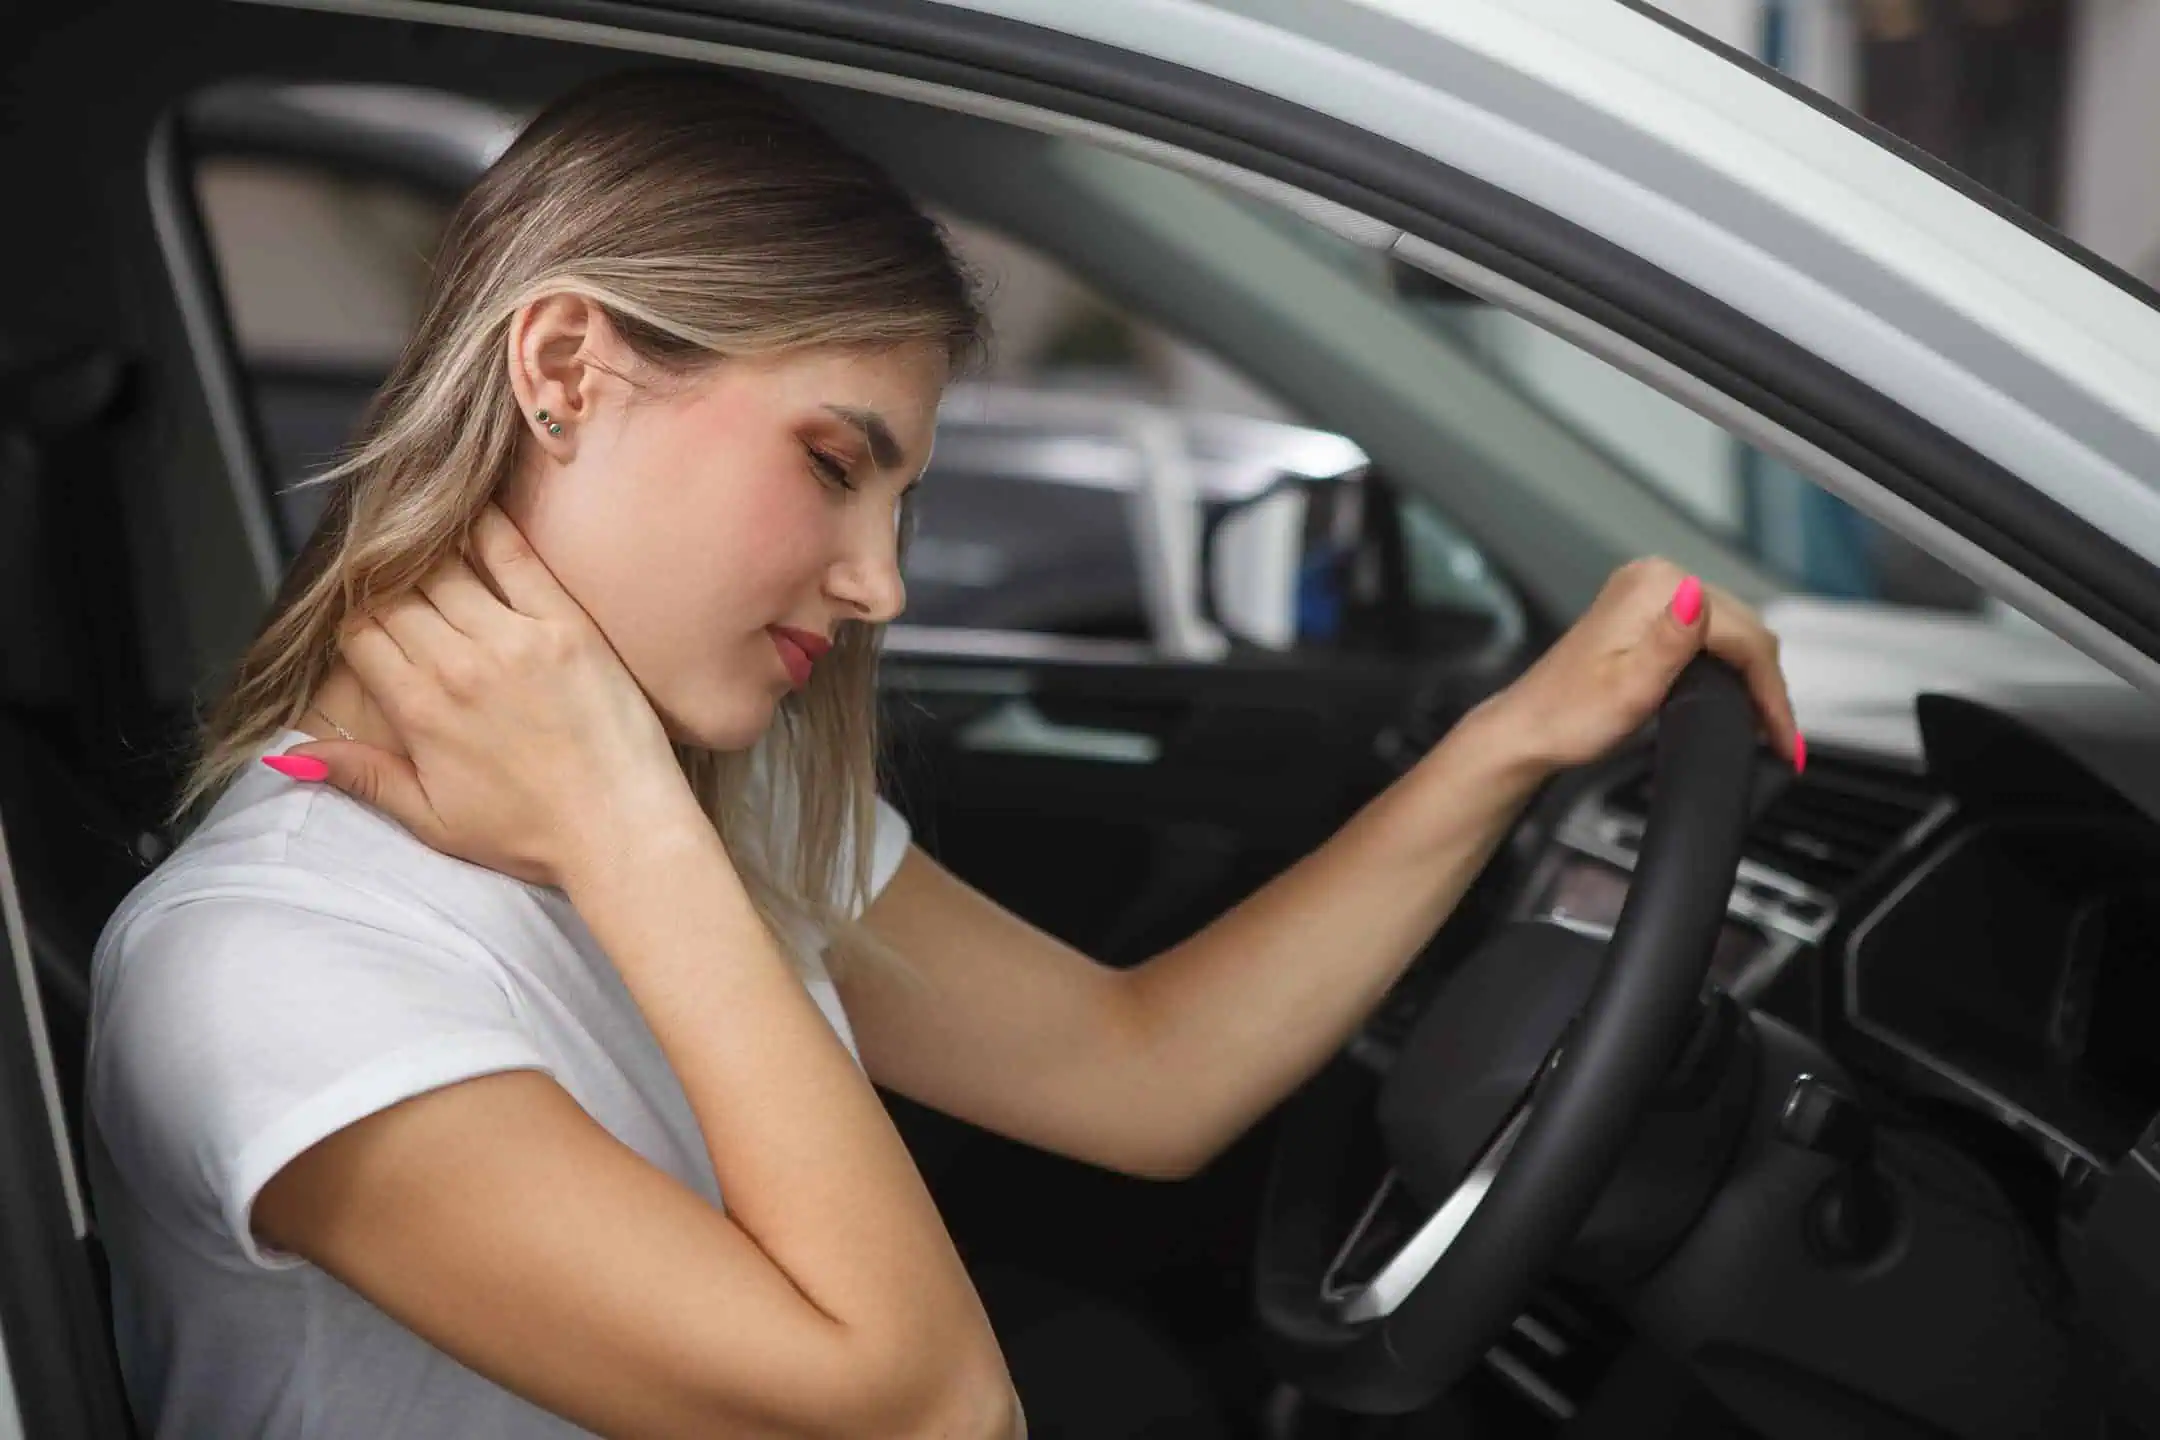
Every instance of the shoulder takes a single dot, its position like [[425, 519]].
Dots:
[[231, 965], [286, 901], [295, 929], [278, 858], [279, 976]]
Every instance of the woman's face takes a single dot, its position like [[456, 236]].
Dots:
[[697, 519]]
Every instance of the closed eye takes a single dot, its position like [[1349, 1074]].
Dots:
[[830, 468]]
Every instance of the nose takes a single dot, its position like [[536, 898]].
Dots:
[[866, 577]]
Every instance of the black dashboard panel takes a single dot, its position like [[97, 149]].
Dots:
[[2057, 750], [2015, 962], [2020, 960]]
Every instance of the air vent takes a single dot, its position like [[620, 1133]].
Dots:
[[1826, 828]]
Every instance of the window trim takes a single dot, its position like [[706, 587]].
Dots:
[[206, 322], [912, 649]]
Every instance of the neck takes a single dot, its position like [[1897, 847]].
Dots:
[[342, 698]]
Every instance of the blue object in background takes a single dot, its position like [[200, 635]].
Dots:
[[1319, 596], [1804, 532]]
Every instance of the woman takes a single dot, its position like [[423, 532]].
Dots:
[[417, 1086]]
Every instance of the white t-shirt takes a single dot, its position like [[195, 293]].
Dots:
[[301, 961]]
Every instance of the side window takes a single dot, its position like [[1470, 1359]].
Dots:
[[322, 206], [1799, 532], [1444, 570], [323, 270], [999, 545], [1037, 514], [1032, 512]]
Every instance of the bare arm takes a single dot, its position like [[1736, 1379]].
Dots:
[[495, 1218], [498, 1221], [1153, 1070]]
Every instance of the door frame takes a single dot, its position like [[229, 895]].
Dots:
[[52, 1342]]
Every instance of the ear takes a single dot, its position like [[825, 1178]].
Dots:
[[550, 353]]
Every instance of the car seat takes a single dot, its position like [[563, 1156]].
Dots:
[[69, 693]]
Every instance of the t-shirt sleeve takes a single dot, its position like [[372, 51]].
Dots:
[[889, 839], [237, 1032]]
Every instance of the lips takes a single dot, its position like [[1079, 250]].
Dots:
[[799, 651]]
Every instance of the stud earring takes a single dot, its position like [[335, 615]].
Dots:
[[553, 428]]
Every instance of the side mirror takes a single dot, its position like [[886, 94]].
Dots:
[[1307, 563], [1250, 551]]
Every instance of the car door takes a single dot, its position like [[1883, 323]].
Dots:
[[1465, 140], [56, 1373]]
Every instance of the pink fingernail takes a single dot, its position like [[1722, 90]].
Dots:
[[298, 767], [1799, 753], [1687, 601]]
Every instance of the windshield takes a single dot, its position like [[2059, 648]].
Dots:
[[1809, 538], [1803, 533]]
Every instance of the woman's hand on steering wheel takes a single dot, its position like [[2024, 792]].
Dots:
[[1602, 681]]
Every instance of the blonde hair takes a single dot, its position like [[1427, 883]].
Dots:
[[708, 218]]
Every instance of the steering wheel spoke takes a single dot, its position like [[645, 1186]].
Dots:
[[1407, 1268]]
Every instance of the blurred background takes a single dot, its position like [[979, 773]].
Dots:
[[2049, 104]]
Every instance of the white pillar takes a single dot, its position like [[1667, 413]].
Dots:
[[2111, 189]]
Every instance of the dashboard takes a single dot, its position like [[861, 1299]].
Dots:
[[1955, 913], [1977, 924], [2019, 961]]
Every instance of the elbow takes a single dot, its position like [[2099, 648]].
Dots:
[[968, 1397], [978, 1406], [1167, 1160], [1165, 1169], [986, 1408], [893, 1390]]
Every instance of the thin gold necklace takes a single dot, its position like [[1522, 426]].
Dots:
[[341, 730]]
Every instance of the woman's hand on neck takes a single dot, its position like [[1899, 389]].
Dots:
[[342, 698]]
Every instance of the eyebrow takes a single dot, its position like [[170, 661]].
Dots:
[[884, 449]]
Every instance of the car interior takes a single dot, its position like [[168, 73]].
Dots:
[[1882, 1195]]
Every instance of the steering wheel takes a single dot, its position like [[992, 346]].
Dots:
[[1512, 1101]]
